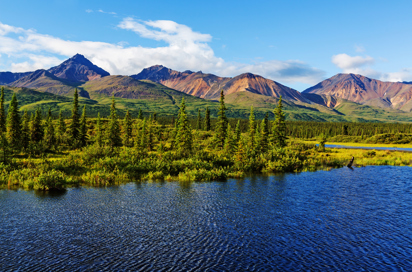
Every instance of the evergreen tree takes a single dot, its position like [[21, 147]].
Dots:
[[4, 146], [207, 119], [183, 140], [199, 120], [252, 128], [2, 112], [257, 138], [221, 125], [264, 136], [140, 115], [74, 126], [25, 131], [83, 129], [230, 143], [36, 129], [49, 114], [14, 125], [49, 134], [237, 132], [61, 130], [99, 133], [279, 126], [127, 130], [150, 135], [240, 156], [113, 131], [155, 117], [143, 136]]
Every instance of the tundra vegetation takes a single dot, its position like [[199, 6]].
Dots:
[[42, 151]]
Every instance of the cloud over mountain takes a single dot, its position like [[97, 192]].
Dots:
[[185, 49]]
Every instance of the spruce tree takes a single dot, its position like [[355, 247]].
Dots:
[[143, 135], [74, 126], [154, 117], [140, 115], [83, 129], [252, 128], [264, 136], [2, 112], [25, 131], [99, 133], [61, 130], [230, 143], [207, 119], [183, 140], [237, 132], [127, 130], [113, 130], [49, 134], [14, 125], [199, 120], [221, 125], [36, 129], [150, 135], [279, 126]]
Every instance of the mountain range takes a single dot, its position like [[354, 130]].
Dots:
[[343, 97]]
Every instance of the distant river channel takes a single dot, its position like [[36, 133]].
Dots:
[[338, 220]]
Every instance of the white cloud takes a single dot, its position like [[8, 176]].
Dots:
[[351, 64], [110, 12], [89, 10], [185, 49], [363, 66]]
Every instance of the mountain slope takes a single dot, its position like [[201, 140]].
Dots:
[[209, 86], [364, 90], [43, 81], [78, 69], [9, 77]]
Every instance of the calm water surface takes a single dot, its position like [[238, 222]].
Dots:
[[348, 220]]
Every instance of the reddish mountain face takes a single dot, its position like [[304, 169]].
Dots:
[[209, 86], [78, 69], [363, 90]]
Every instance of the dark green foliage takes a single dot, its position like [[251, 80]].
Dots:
[[140, 116], [14, 125], [279, 126], [36, 129], [252, 128], [83, 137], [99, 133], [199, 120], [74, 126], [183, 140], [127, 130], [113, 130], [61, 131], [207, 119], [2, 112], [25, 131], [49, 134], [221, 124]]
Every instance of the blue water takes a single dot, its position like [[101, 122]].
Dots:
[[338, 220]]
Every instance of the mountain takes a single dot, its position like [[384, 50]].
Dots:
[[364, 90], [209, 86], [43, 81], [8, 77], [78, 69]]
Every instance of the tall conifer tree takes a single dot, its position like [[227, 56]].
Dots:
[[99, 133], [113, 132], [183, 140], [14, 125], [2, 112], [49, 133], [221, 125], [61, 130], [83, 128], [199, 120], [127, 130], [207, 119], [279, 126], [74, 126], [252, 128], [36, 129], [25, 131]]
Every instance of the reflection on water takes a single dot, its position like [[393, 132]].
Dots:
[[324, 221]]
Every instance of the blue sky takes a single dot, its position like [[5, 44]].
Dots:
[[297, 43]]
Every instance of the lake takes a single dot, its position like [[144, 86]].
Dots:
[[342, 219]]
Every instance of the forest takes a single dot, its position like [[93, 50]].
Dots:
[[45, 152]]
